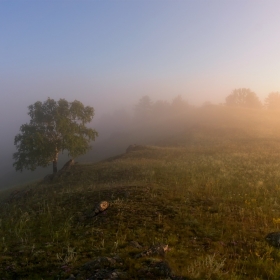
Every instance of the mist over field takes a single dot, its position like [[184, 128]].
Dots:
[[118, 128], [157, 122], [110, 54], [183, 180], [200, 177]]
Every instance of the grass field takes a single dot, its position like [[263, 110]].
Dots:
[[211, 194]]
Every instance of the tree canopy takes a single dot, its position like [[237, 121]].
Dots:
[[55, 126], [243, 97], [179, 105], [273, 101]]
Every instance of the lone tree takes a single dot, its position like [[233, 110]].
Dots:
[[243, 97], [55, 126]]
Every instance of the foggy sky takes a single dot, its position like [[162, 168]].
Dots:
[[107, 54]]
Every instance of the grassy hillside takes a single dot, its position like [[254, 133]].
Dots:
[[211, 193]]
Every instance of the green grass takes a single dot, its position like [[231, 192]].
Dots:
[[212, 199]]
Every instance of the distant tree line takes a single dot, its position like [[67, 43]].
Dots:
[[241, 97], [148, 110], [244, 97]]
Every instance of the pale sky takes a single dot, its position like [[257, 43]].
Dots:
[[110, 53]]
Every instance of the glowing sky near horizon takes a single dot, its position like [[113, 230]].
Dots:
[[110, 53]]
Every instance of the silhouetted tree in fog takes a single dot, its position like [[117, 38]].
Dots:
[[243, 97], [179, 105], [143, 109], [273, 101]]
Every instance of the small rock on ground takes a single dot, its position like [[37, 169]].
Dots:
[[100, 207]]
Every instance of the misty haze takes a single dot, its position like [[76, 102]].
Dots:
[[140, 140], [157, 122]]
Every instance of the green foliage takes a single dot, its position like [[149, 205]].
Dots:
[[55, 126], [243, 97]]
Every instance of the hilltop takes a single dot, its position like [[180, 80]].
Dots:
[[196, 206]]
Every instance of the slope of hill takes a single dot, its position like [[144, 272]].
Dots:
[[198, 206]]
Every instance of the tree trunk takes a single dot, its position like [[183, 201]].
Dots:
[[54, 166], [55, 163]]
